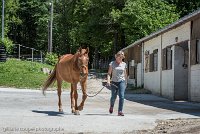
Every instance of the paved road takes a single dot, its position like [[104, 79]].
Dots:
[[28, 111]]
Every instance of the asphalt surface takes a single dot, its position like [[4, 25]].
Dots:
[[25, 111]]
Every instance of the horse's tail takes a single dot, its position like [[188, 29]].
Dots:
[[50, 81]]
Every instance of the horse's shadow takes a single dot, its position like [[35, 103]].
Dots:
[[49, 113]]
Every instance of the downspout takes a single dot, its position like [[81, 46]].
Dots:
[[189, 73], [142, 70], [161, 67], [189, 65]]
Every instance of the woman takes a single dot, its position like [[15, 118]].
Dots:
[[118, 71]]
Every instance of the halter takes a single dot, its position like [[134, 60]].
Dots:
[[80, 67]]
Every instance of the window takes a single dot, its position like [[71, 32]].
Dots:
[[167, 58], [155, 60], [198, 52], [147, 61], [153, 66]]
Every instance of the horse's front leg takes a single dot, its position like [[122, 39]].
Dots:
[[74, 98], [83, 86]]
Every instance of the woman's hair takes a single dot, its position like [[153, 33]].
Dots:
[[120, 53]]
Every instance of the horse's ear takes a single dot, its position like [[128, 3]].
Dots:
[[87, 50], [80, 49]]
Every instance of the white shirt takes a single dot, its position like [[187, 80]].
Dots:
[[118, 71]]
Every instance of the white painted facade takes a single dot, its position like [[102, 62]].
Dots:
[[152, 79], [139, 75], [182, 33], [162, 81], [167, 78], [170, 83], [195, 83]]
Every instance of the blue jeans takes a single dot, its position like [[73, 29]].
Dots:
[[118, 87]]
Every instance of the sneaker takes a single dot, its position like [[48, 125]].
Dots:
[[111, 110], [120, 114]]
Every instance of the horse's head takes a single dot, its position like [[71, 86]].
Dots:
[[83, 60]]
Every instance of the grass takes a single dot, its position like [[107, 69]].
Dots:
[[23, 74]]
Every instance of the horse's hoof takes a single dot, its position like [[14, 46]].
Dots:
[[73, 110], [60, 110], [76, 112], [80, 108]]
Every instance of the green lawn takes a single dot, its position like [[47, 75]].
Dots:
[[23, 74]]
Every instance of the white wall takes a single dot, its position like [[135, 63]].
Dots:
[[168, 80], [168, 38], [152, 79], [195, 83], [182, 32]]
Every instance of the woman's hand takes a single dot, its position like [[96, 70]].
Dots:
[[108, 84]]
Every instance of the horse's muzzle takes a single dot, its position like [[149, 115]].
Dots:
[[83, 74]]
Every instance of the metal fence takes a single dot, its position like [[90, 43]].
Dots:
[[26, 53]]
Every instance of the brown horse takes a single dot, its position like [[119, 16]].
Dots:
[[72, 69]]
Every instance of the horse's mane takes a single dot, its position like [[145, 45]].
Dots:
[[75, 61]]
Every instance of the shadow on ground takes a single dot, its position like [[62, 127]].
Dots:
[[163, 103], [49, 113]]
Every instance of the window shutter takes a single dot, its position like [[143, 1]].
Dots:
[[147, 61], [164, 59], [193, 52], [151, 63], [169, 58]]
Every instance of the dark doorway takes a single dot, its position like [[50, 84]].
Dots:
[[181, 56]]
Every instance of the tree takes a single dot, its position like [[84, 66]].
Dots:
[[33, 30], [11, 18], [139, 18], [184, 7]]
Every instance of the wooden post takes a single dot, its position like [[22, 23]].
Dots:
[[32, 54], [41, 56], [19, 52]]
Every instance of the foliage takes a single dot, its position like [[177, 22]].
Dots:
[[139, 18], [8, 44], [51, 59], [23, 74], [103, 25], [184, 7]]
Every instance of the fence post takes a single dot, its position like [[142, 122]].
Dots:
[[19, 52], [41, 56], [32, 54]]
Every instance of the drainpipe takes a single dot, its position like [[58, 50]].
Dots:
[[189, 72], [189, 65], [161, 67], [142, 70]]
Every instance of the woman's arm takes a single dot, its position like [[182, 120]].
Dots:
[[126, 76], [109, 75]]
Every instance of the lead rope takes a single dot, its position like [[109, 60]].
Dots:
[[100, 90]]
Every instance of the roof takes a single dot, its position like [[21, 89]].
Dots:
[[165, 29]]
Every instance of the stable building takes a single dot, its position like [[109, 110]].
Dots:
[[167, 62]]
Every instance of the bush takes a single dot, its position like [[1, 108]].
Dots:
[[51, 59], [8, 44]]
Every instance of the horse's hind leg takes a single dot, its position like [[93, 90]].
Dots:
[[72, 99], [59, 84]]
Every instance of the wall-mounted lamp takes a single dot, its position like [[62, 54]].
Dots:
[[176, 39]]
